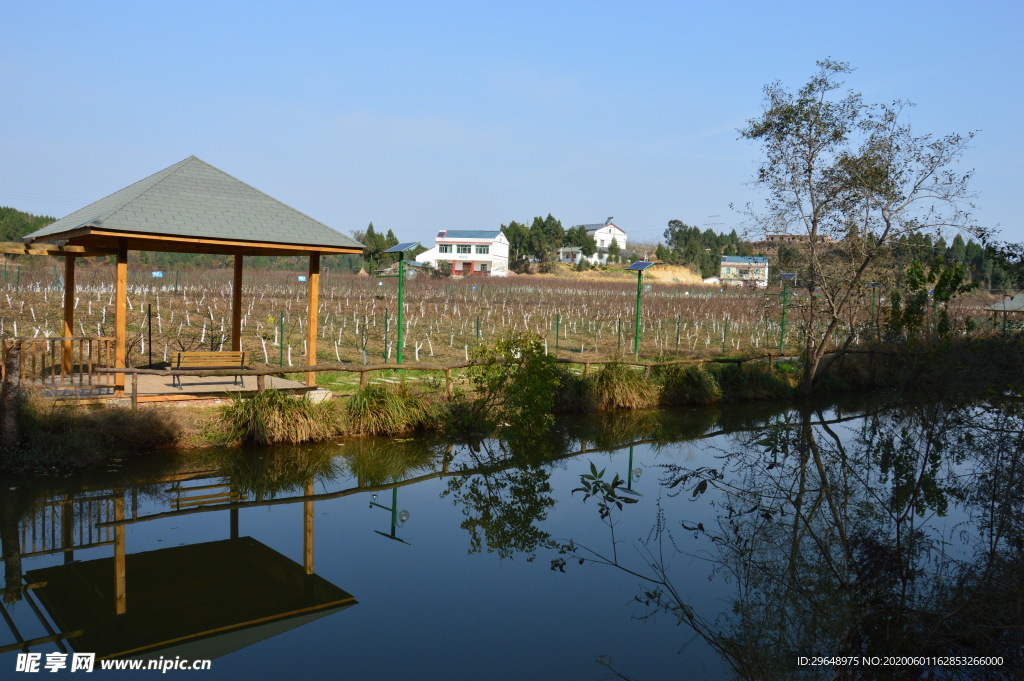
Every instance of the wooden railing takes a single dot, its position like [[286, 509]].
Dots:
[[68, 361], [365, 370]]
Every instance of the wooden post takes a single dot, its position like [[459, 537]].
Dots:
[[313, 298], [10, 398], [586, 368], [261, 383], [364, 378], [120, 314], [448, 382], [120, 571], [236, 306], [69, 313], [67, 529], [135, 391], [307, 535], [234, 523]]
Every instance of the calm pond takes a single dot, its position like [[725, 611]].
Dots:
[[705, 544]]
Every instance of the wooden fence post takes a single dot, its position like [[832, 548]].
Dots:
[[448, 382], [135, 391], [364, 378], [10, 398], [261, 383]]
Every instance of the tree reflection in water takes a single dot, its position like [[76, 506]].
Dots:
[[903, 536]]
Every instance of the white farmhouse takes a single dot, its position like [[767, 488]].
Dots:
[[738, 270], [470, 252], [603, 235]]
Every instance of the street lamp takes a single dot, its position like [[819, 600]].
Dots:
[[400, 249], [639, 268]]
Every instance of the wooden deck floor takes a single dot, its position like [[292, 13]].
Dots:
[[160, 389]]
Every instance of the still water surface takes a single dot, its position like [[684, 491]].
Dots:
[[715, 544]]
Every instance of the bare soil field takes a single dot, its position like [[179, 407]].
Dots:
[[585, 316]]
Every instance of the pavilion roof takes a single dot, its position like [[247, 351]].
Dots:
[[1014, 304], [192, 206]]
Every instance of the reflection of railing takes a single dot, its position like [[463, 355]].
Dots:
[[61, 525], [192, 496], [57, 361]]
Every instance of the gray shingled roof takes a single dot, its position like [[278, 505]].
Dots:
[[1014, 304], [193, 199]]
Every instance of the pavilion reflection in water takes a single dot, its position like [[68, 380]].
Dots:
[[199, 601]]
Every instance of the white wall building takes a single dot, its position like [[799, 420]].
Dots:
[[602, 234], [738, 270], [470, 252]]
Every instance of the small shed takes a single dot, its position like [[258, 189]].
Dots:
[[189, 207]]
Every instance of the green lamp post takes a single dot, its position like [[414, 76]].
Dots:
[[639, 268], [400, 249], [785, 278]]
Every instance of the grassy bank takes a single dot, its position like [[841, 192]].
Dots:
[[516, 389]]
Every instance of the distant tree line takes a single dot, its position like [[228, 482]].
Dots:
[[699, 250], [545, 236], [995, 267], [15, 224]]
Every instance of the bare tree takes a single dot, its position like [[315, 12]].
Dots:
[[853, 178]]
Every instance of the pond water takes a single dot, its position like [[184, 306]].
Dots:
[[661, 545]]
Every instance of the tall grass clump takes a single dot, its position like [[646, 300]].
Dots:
[[387, 410], [750, 381], [617, 386], [272, 417], [687, 385]]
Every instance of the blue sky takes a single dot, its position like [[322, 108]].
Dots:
[[429, 115]]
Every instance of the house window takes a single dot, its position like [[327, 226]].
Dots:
[[463, 248], [444, 248], [483, 265], [483, 250]]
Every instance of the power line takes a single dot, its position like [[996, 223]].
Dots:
[[27, 196]]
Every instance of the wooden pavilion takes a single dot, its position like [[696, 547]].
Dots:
[[189, 207]]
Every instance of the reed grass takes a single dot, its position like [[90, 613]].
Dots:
[[57, 436], [271, 417], [388, 410], [751, 381], [687, 385], [574, 393], [618, 386]]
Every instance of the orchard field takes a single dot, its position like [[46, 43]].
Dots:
[[578, 317]]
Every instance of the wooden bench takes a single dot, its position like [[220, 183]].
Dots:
[[209, 361]]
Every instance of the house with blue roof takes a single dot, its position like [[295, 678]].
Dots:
[[740, 270], [470, 252]]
